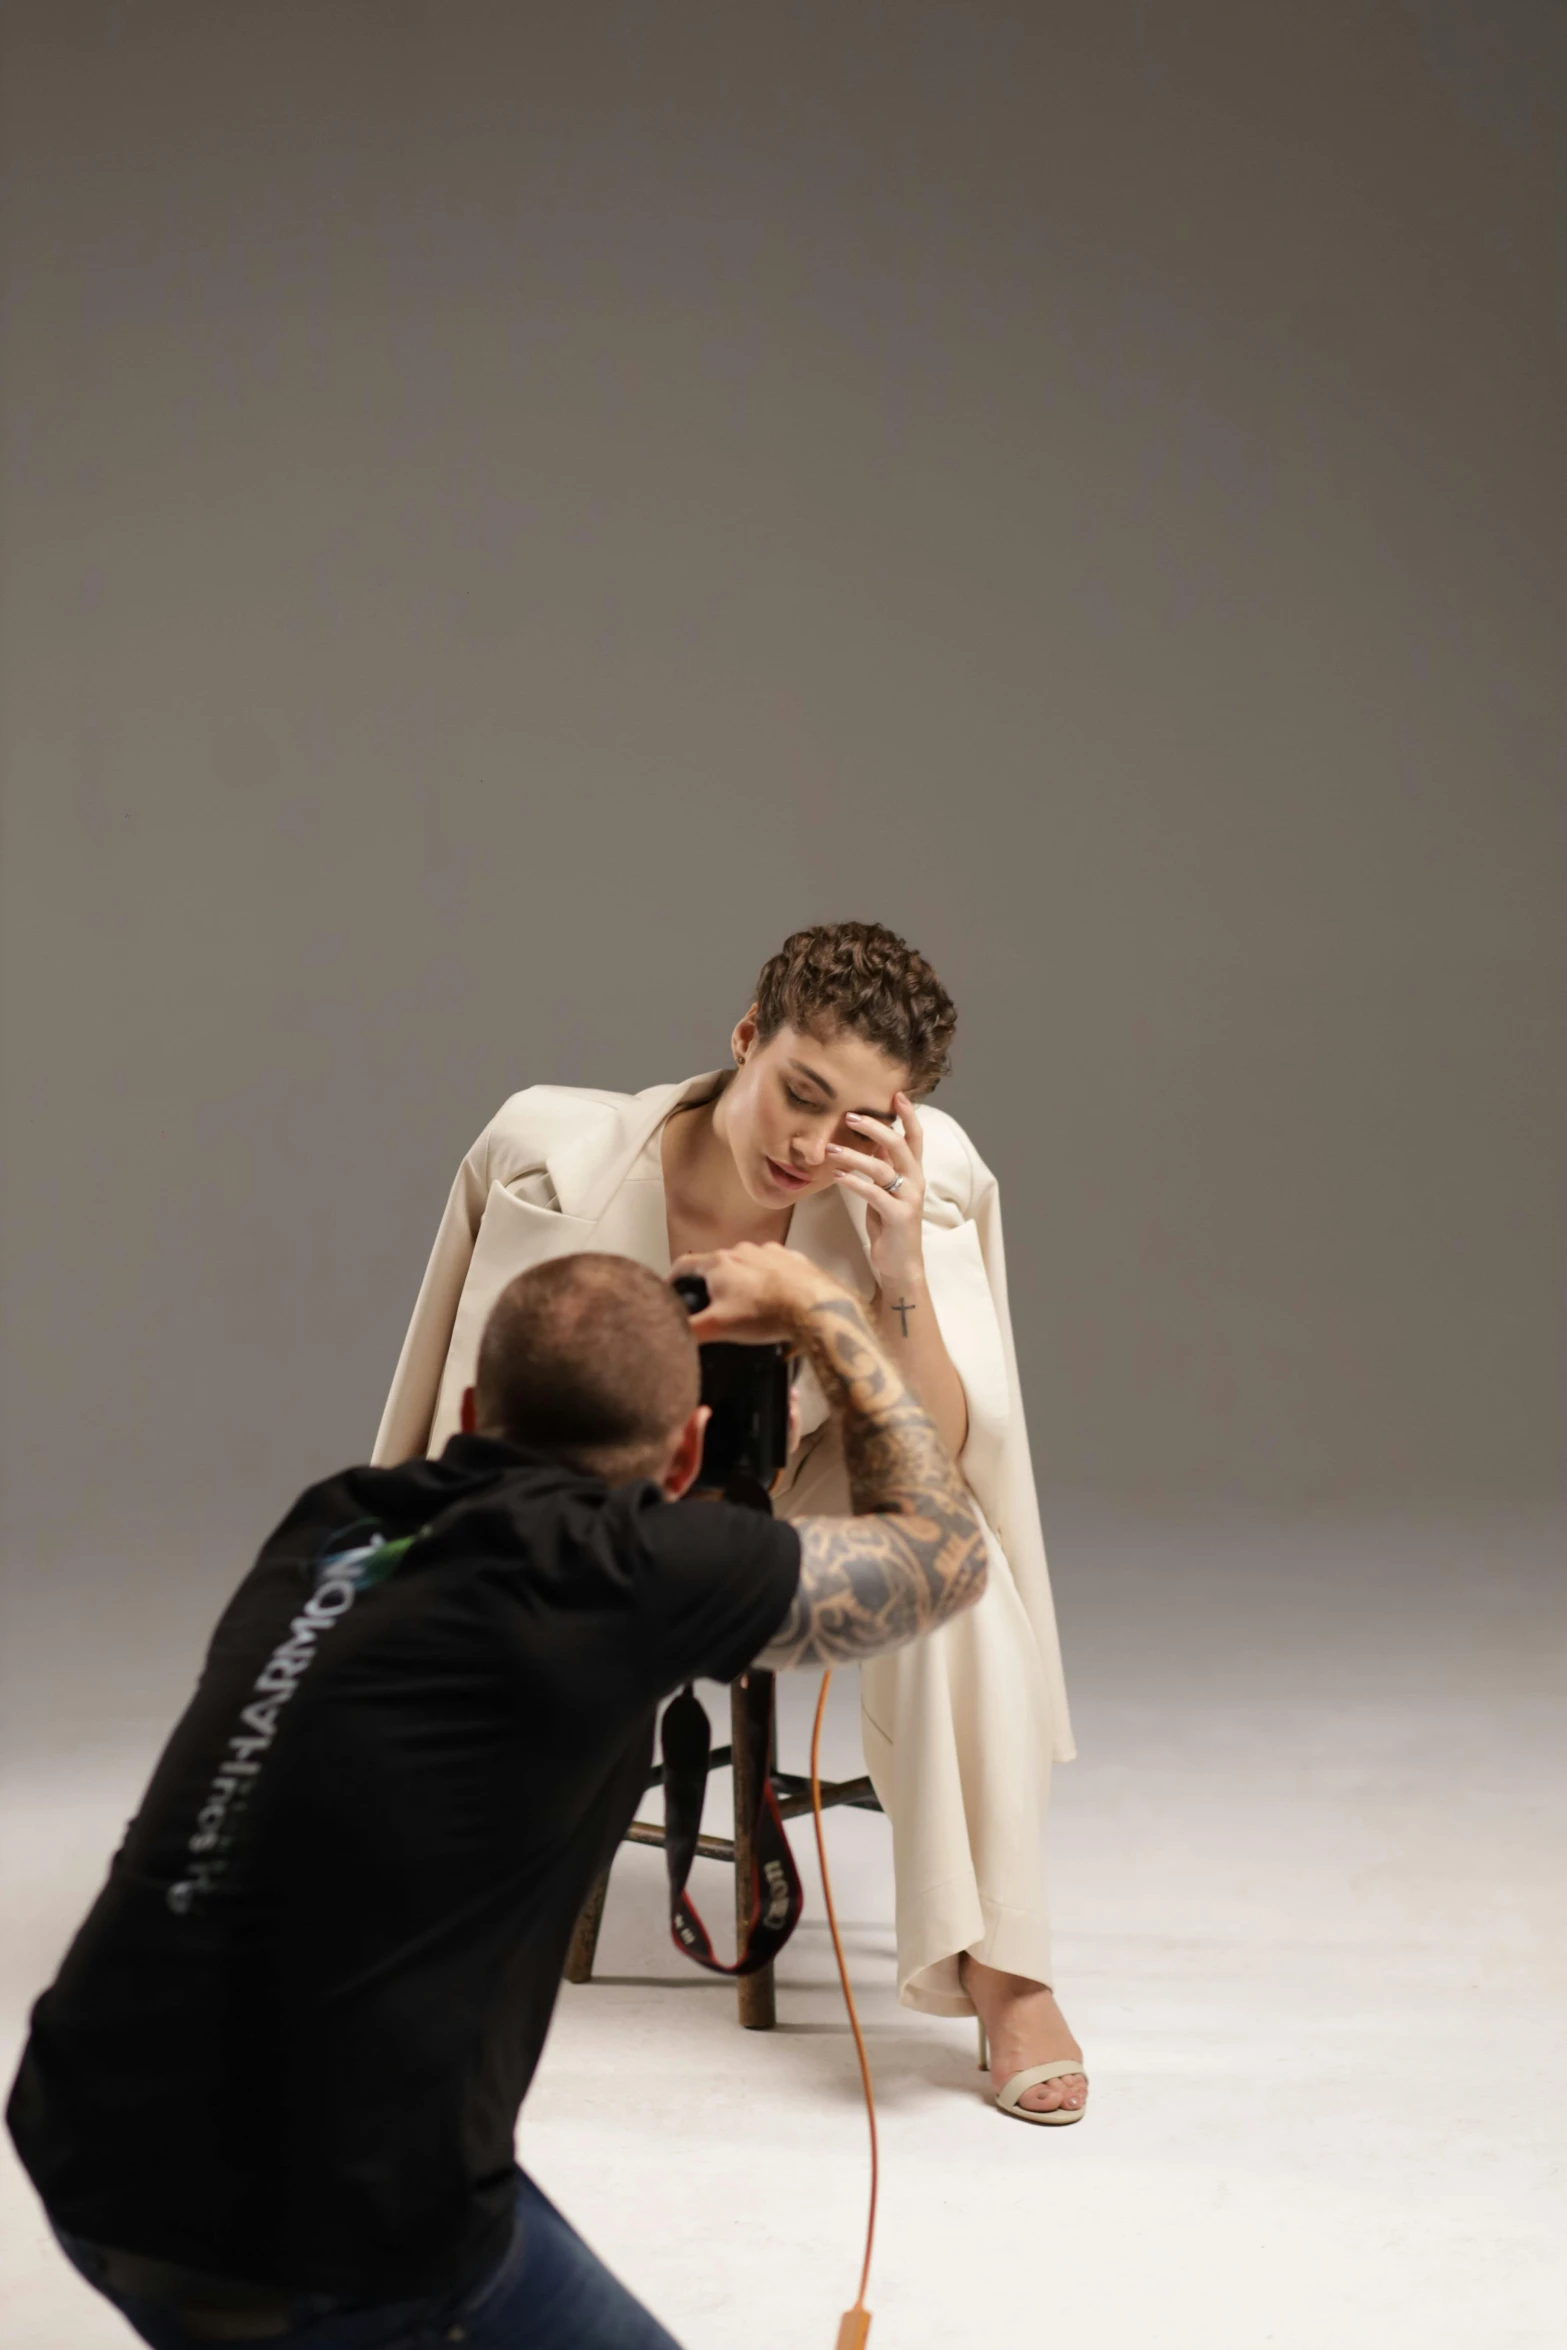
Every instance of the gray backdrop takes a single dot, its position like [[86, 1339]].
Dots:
[[508, 510]]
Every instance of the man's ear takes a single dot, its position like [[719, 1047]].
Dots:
[[681, 1473], [468, 1412]]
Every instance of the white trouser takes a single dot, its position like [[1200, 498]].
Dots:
[[958, 1744]]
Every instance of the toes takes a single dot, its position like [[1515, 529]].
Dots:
[[1049, 2096]]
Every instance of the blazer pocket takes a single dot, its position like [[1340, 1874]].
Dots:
[[512, 1236]]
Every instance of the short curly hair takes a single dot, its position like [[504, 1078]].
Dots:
[[859, 976]]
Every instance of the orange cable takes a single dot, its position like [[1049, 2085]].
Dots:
[[859, 2311]]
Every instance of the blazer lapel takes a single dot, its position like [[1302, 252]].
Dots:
[[826, 1228], [590, 1168], [829, 1228]]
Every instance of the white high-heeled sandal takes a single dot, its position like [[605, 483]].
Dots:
[[1032, 2074]]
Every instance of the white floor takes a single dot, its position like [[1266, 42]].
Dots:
[[1309, 1878]]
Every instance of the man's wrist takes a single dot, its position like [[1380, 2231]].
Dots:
[[812, 1288]]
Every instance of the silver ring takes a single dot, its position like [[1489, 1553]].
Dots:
[[895, 1185]]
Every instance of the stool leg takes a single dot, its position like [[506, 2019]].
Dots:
[[585, 1934], [749, 1700]]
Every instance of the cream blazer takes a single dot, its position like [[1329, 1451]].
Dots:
[[563, 1168]]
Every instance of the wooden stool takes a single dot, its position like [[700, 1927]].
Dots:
[[750, 1701]]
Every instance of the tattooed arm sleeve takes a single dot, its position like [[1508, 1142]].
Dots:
[[913, 1554]]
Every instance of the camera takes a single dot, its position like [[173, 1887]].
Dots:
[[746, 1388]]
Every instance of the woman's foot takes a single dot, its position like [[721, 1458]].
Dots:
[[1024, 2026]]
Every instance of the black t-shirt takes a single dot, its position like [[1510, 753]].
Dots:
[[291, 2038]]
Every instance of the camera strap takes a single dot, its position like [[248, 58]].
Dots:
[[775, 1899]]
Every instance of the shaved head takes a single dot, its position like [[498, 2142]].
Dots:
[[589, 1359]]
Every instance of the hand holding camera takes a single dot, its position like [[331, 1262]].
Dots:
[[758, 1294], [747, 1307]]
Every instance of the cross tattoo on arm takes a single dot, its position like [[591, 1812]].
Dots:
[[903, 1309]]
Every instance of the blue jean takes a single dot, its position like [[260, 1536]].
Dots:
[[548, 2292]]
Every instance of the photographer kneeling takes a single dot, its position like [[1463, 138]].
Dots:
[[273, 2091]]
